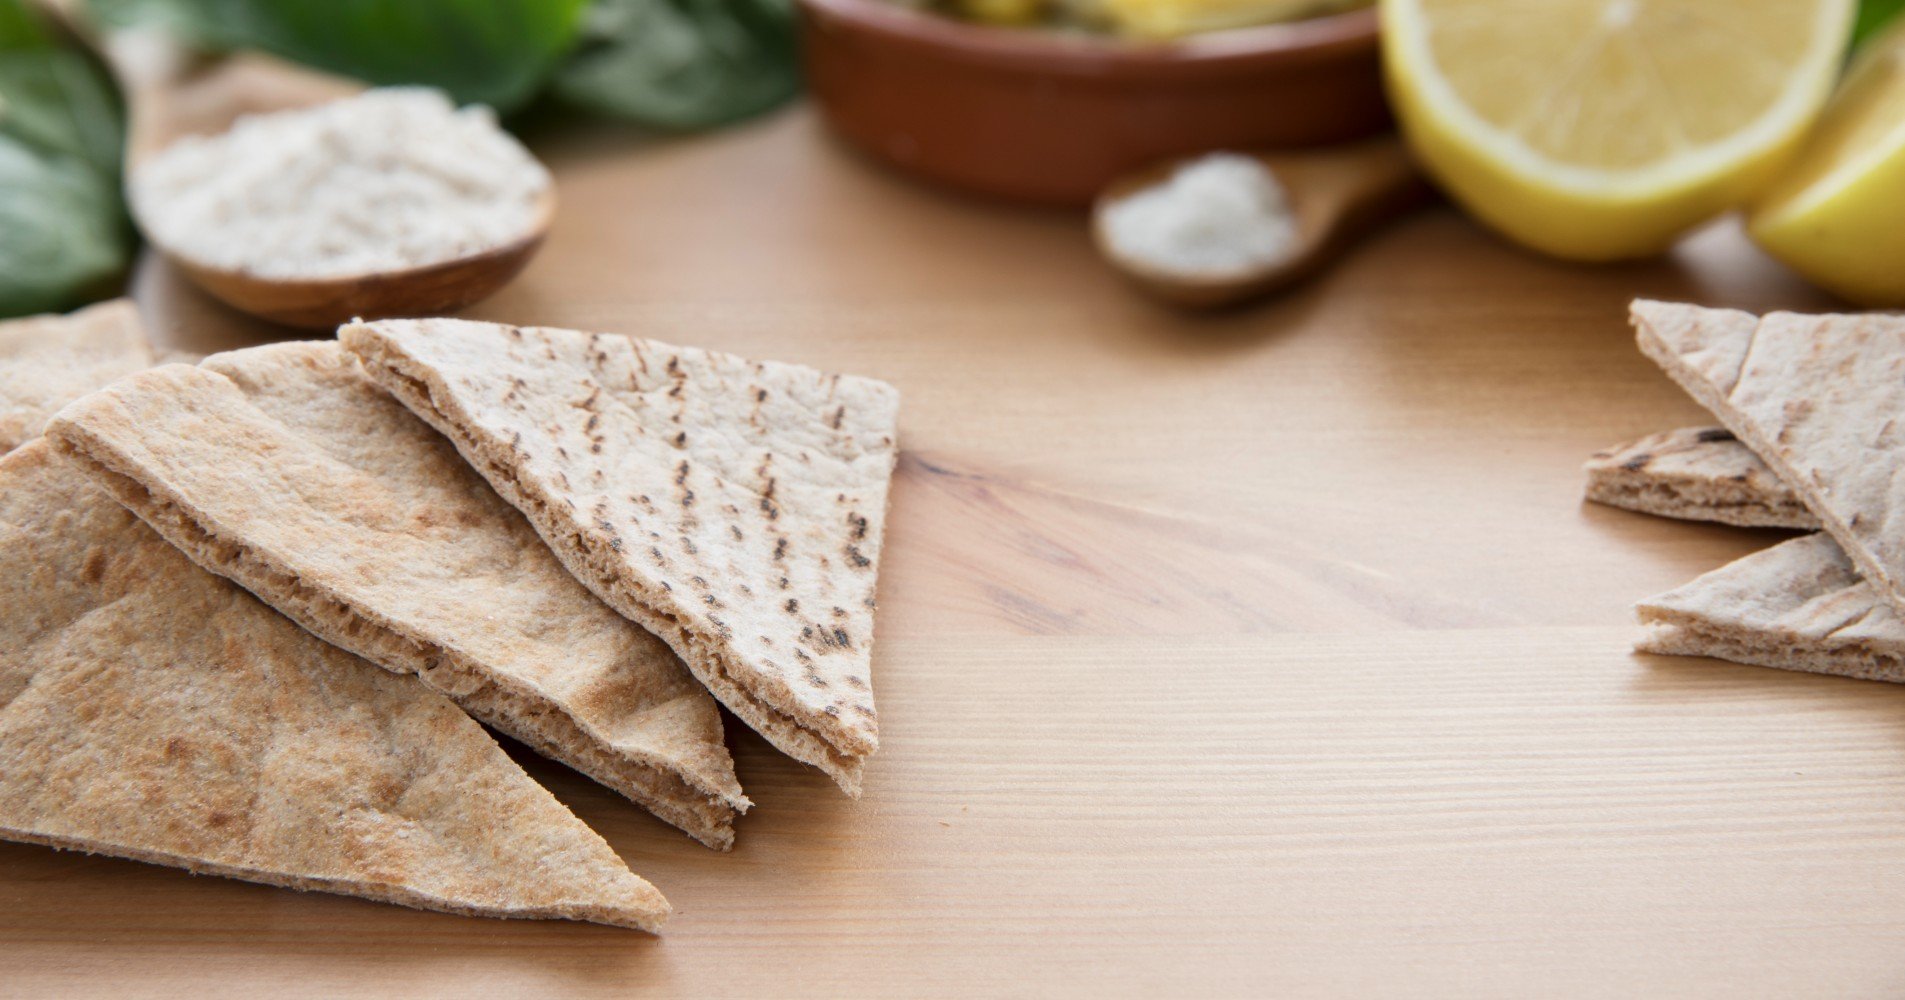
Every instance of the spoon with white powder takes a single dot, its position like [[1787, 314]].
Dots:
[[308, 200], [1226, 227]]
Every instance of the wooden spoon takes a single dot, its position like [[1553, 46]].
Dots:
[[171, 94], [1337, 195]]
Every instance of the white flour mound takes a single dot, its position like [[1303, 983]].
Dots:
[[392, 178], [1216, 216]]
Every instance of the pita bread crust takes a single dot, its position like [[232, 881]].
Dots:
[[733, 507], [49, 361], [284, 469], [1696, 474], [1816, 397], [1799, 605], [1736, 646], [152, 711]]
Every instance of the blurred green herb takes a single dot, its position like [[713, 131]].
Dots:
[[1873, 15], [494, 52], [683, 64], [64, 237]]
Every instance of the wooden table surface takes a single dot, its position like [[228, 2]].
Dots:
[[1265, 654]]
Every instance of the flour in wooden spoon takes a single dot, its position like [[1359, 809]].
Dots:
[[390, 179], [1221, 216]]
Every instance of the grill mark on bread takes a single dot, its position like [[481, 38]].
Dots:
[[806, 744], [93, 570], [796, 740]]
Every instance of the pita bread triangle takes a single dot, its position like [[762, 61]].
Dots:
[[1818, 398], [49, 361], [284, 469], [733, 507], [1799, 605], [153, 711], [1695, 474]]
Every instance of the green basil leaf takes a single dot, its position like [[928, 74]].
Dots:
[[64, 238], [494, 52], [1874, 15], [57, 100], [683, 64], [20, 29]]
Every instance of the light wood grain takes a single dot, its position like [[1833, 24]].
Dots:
[[1261, 654]]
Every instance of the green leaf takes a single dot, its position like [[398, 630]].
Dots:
[[684, 64], [57, 101], [495, 52], [20, 29], [64, 238], [1874, 15]]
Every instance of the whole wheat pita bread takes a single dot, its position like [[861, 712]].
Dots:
[[1799, 605], [286, 470], [49, 361], [153, 711], [1695, 474], [1816, 397], [733, 507]]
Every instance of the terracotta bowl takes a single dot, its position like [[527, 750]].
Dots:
[[1045, 117]]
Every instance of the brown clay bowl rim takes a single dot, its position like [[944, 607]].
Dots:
[[1293, 44]]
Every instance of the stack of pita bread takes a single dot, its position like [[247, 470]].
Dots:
[[582, 540], [1813, 438]]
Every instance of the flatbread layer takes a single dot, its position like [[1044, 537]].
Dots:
[[153, 711], [49, 361], [1799, 605], [288, 471], [1818, 398], [1695, 474], [733, 507]]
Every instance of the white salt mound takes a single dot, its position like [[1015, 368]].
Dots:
[[392, 178], [1216, 216]]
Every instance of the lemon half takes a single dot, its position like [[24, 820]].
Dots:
[[1602, 129], [1837, 213]]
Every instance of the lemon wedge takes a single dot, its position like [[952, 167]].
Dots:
[[1837, 213], [1603, 129]]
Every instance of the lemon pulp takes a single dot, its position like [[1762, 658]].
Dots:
[[1599, 129]]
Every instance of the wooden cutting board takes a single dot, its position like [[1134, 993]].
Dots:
[[1270, 653]]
